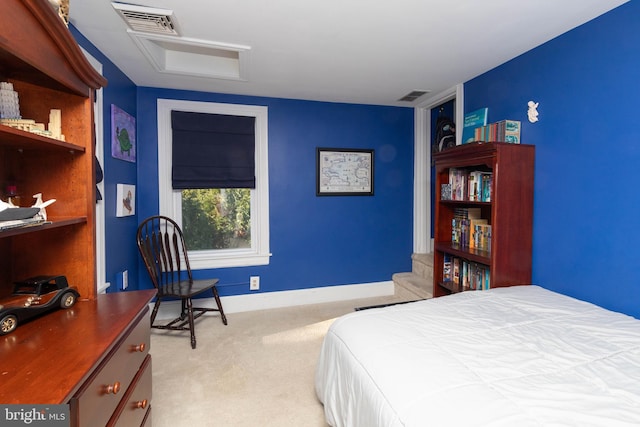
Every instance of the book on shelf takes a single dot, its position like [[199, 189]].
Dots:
[[502, 131], [456, 270], [486, 238], [477, 228], [475, 182], [511, 131], [473, 120], [466, 283], [458, 181], [447, 274], [470, 230], [479, 277], [445, 192], [468, 275], [471, 185], [487, 184]]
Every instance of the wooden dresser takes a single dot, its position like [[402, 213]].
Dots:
[[93, 356]]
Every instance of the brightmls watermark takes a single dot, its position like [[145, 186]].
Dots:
[[35, 415]]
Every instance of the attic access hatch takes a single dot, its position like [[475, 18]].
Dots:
[[156, 34]]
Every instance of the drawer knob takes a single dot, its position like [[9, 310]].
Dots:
[[141, 404], [113, 388], [139, 347]]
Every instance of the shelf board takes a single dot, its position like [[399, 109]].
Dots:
[[475, 255], [464, 202], [53, 223], [450, 286], [19, 139]]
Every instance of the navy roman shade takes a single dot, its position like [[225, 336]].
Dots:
[[212, 151]]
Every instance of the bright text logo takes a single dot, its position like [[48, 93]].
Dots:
[[35, 415]]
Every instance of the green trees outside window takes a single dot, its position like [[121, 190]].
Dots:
[[216, 218]]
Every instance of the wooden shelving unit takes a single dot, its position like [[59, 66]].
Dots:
[[40, 57], [80, 355], [510, 212]]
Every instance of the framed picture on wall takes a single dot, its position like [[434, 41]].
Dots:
[[123, 135], [126, 200], [344, 172]]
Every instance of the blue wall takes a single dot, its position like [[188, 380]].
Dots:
[[315, 241], [120, 246], [587, 154]]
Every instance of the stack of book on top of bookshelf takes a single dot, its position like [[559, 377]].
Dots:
[[472, 121], [463, 275], [502, 131]]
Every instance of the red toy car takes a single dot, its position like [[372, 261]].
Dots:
[[33, 297]]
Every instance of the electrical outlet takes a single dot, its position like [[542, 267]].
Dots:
[[254, 283], [125, 279]]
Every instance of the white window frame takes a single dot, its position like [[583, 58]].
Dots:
[[171, 200]]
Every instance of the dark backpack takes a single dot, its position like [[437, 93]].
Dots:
[[445, 134]]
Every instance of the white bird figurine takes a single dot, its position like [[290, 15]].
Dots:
[[42, 205], [5, 205]]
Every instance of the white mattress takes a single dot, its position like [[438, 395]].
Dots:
[[519, 356]]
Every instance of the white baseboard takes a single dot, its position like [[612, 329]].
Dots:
[[268, 300]]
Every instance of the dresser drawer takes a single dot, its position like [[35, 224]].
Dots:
[[147, 419], [98, 398], [136, 403]]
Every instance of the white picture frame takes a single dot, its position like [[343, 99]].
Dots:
[[125, 200]]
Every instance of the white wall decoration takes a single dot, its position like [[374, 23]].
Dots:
[[126, 200], [533, 112]]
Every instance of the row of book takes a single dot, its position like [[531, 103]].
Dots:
[[469, 185], [466, 275], [470, 230], [502, 131]]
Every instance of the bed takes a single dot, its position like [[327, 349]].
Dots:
[[516, 356]]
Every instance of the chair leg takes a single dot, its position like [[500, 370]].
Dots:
[[156, 306], [184, 313], [219, 303], [189, 305]]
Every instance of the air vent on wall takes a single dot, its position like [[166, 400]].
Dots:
[[412, 96], [147, 19]]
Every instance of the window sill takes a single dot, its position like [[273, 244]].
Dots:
[[203, 261]]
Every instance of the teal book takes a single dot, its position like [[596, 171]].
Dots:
[[473, 120]]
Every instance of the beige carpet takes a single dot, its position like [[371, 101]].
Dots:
[[258, 371]]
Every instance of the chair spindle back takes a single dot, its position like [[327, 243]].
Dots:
[[161, 244]]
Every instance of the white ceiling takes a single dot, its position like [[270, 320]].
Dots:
[[355, 51]]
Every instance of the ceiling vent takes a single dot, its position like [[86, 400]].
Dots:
[[157, 36], [413, 95], [147, 19]]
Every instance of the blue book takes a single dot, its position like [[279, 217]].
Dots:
[[473, 120]]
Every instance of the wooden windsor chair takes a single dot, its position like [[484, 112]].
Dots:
[[161, 245]]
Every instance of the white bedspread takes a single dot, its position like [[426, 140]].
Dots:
[[519, 356]]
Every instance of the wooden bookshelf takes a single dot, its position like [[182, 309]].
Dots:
[[42, 60], [509, 212]]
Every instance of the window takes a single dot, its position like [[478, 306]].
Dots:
[[245, 240], [217, 218]]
